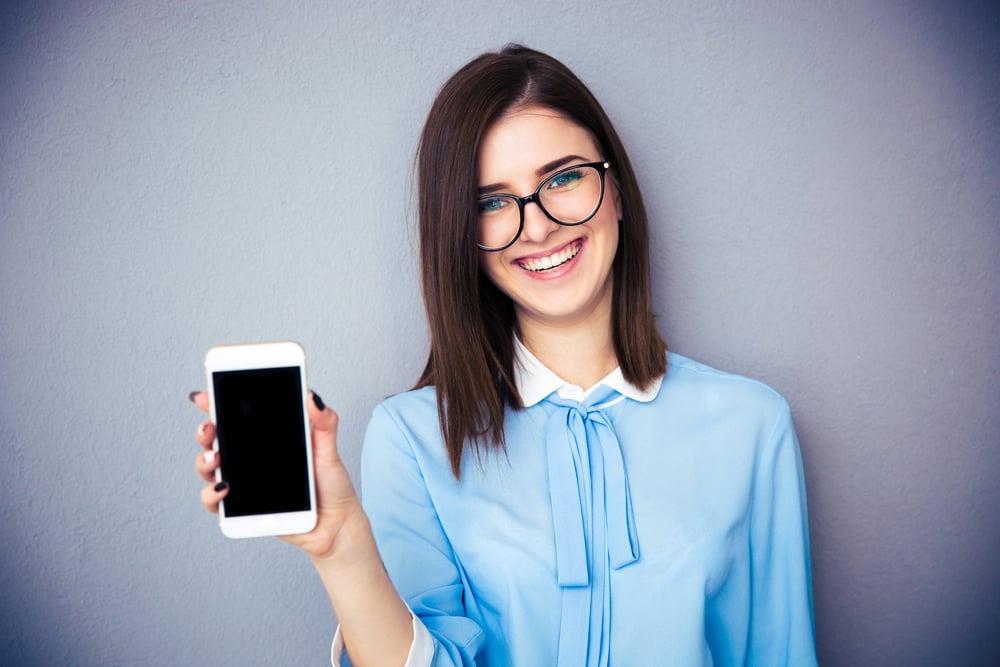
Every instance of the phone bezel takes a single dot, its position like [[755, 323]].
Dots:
[[252, 356]]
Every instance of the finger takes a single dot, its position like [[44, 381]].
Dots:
[[205, 435], [206, 464], [324, 421], [199, 398], [212, 494]]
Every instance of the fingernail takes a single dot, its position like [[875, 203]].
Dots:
[[201, 428], [209, 456], [192, 395], [221, 486], [319, 402]]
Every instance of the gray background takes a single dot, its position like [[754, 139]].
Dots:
[[823, 181]]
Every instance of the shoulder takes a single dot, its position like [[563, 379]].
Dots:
[[701, 389], [408, 405], [408, 420], [686, 373]]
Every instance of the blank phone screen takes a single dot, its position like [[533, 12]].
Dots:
[[262, 444]]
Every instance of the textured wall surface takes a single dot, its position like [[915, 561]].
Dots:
[[824, 185]]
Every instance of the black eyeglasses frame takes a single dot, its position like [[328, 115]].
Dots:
[[601, 166]]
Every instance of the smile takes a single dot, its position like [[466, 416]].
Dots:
[[549, 262]]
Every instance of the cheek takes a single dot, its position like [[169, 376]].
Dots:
[[491, 265], [610, 231], [616, 240], [609, 223]]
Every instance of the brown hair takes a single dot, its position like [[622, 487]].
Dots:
[[471, 321]]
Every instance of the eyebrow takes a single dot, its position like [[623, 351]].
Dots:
[[541, 171]]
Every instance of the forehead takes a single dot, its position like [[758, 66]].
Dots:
[[528, 137]]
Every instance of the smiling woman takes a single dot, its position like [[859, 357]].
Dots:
[[472, 145], [557, 489], [554, 274]]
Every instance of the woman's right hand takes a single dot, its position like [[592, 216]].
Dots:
[[339, 513]]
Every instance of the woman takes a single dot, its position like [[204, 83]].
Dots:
[[557, 490]]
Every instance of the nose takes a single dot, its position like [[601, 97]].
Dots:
[[537, 225]]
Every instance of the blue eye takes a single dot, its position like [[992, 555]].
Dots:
[[566, 179], [492, 204]]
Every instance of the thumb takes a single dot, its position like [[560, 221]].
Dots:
[[324, 422]]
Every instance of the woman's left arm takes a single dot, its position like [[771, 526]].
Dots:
[[782, 628]]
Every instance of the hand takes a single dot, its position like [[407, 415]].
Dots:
[[338, 506]]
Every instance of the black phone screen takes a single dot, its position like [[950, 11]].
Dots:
[[262, 440]]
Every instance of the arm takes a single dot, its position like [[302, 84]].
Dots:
[[376, 625], [409, 532], [782, 629]]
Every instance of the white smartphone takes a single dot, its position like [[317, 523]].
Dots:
[[257, 395]]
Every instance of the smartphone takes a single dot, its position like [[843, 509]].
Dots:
[[257, 396]]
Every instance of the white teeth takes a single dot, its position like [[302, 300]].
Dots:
[[553, 260]]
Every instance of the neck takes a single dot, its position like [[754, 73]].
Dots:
[[582, 354]]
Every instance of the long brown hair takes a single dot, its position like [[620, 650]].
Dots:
[[471, 321]]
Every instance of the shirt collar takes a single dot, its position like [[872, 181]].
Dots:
[[535, 381]]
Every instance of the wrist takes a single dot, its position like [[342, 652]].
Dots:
[[353, 549]]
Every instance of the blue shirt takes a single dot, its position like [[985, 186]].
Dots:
[[619, 527]]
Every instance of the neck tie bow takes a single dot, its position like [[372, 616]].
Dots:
[[592, 520]]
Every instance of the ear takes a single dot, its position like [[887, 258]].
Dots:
[[618, 199]]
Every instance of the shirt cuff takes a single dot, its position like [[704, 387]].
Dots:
[[421, 650]]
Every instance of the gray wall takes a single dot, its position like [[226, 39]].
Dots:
[[823, 181]]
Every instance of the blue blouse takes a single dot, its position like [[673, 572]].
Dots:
[[620, 529]]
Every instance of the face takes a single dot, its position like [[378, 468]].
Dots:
[[554, 274]]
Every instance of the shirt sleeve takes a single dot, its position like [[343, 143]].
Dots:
[[782, 629], [420, 655], [415, 549]]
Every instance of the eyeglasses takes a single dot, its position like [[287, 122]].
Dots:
[[569, 197]]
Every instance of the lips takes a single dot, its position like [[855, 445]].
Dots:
[[551, 261]]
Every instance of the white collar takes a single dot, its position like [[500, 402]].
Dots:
[[535, 381]]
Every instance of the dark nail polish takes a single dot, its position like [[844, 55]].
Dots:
[[319, 402], [192, 395], [221, 486]]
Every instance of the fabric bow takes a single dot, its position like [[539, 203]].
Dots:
[[592, 520]]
